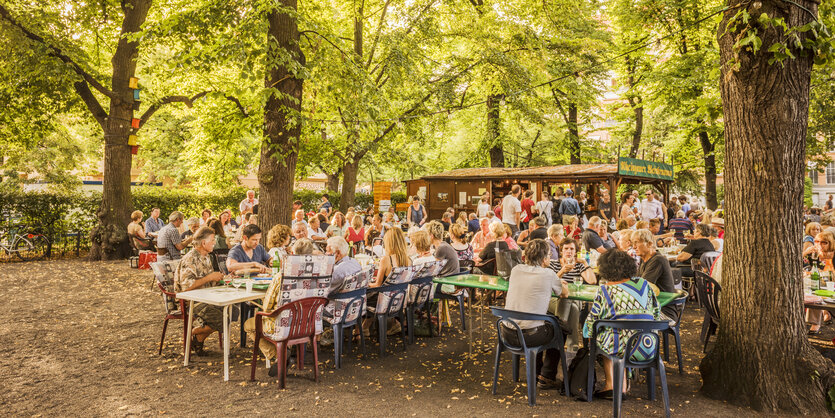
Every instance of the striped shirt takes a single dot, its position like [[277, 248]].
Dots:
[[576, 272]]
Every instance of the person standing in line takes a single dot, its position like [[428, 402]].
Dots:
[[569, 207], [604, 206], [650, 209], [528, 209], [544, 207], [512, 209], [483, 207]]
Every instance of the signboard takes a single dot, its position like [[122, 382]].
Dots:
[[382, 193], [644, 168]]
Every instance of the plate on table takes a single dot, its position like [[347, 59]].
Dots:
[[251, 270]]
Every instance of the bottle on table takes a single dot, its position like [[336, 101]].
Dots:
[[276, 265], [815, 276]]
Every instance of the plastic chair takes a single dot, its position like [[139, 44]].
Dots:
[[345, 308], [647, 333], [420, 293], [708, 291], [391, 303], [302, 330], [674, 329], [506, 316], [174, 308], [459, 297]]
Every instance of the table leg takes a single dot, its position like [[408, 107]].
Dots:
[[470, 345], [188, 331], [244, 308], [226, 343]]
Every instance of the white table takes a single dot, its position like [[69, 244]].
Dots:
[[218, 296]]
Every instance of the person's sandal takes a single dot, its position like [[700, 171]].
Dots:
[[545, 383]]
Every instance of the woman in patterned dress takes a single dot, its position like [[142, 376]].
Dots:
[[624, 296]]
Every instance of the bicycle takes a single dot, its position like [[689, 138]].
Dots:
[[29, 246]]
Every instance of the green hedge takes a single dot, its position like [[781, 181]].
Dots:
[[57, 214]]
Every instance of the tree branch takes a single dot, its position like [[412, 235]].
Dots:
[[377, 35], [93, 105], [170, 99], [56, 52], [237, 102], [305, 32]]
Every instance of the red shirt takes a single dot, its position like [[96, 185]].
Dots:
[[527, 204], [498, 211]]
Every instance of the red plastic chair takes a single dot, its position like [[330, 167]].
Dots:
[[181, 314], [302, 330]]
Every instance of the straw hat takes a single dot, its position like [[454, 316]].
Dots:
[[718, 222]]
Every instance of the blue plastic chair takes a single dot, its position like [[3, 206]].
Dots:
[[506, 316], [459, 297], [674, 330], [396, 293], [645, 330]]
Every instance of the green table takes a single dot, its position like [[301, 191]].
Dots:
[[585, 293]]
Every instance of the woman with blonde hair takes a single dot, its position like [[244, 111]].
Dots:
[[356, 232], [812, 230], [573, 230], [396, 255], [338, 225], [277, 241]]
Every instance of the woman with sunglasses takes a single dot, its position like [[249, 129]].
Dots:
[[819, 255]]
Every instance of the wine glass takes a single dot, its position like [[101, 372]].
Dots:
[[578, 281], [237, 283]]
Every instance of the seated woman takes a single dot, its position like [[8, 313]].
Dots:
[[395, 255], [338, 226], [375, 230], [195, 272], [573, 230], [422, 245], [812, 230], [568, 267], [356, 232], [313, 231], [221, 241], [136, 231], [458, 236], [820, 255], [525, 235], [278, 240], [530, 288], [486, 259], [623, 296], [226, 222], [697, 246]]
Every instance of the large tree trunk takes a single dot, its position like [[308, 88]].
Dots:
[[762, 356], [279, 151], [708, 149], [349, 184], [109, 239], [573, 134], [494, 127], [333, 181]]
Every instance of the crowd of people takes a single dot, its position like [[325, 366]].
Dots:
[[551, 242]]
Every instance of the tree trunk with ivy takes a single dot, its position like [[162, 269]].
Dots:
[[282, 118], [762, 357]]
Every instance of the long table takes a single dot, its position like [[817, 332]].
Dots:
[[585, 292]]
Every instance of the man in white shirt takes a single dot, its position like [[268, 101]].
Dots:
[[512, 209], [248, 203], [650, 207]]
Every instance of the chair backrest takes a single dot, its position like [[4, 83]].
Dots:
[[297, 288], [301, 318], [307, 266], [677, 306], [707, 260], [393, 295], [696, 265], [505, 262], [642, 347], [349, 302], [164, 274], [676, 276], [421, 286], [508, 318], [708, 291]]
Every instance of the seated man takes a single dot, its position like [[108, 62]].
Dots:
[[531, 285], [169, 243], [249, 253], [593, 237], [194, 272], [344, 266], [473, 225]]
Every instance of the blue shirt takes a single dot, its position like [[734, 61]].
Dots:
[[569, 206], [473, 226], [153, 225], [343, 268], [259, 255]]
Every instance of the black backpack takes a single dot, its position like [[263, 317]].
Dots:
[[555, 211], [578, 372]]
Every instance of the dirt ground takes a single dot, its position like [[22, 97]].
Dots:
[[81, 339]]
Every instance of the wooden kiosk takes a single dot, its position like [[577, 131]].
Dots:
[[461, 189]]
